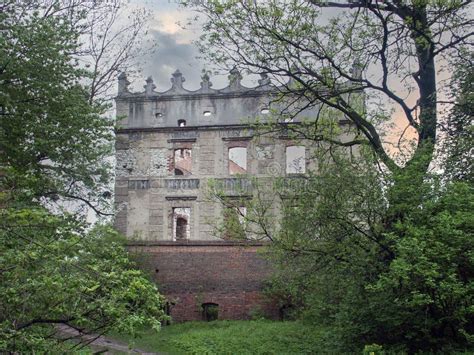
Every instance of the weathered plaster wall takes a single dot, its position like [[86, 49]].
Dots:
[[147, 189]]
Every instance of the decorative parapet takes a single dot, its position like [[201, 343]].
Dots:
[[235, 84], [233, 105], [177, 87]]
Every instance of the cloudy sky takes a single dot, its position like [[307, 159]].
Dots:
[[175, 49], [174, 36]]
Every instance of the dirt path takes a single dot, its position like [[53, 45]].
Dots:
[[102, 344]]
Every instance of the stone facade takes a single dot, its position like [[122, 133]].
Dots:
[[169, 145]]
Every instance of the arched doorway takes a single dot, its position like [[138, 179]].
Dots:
[[210, 311]]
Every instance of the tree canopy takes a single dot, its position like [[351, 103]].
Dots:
[[332, 49], [373, 246], [54, 138]]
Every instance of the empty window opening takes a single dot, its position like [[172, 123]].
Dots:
[[265, 111], [158, 115], [183, 161], [181, 123], [242, 213], [237, 160], [207, 113], [295, 160], [235, 222], [181, 226], [210, 311]]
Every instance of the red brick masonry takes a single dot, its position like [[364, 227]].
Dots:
[[189, 274]]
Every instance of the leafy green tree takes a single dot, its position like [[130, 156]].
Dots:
[[55, 273], [331, 268], [429, 286], [459, 143], [344, 242], [331, 51], [52, 140], [55, 269]]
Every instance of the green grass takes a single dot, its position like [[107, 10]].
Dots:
[[232, 337]]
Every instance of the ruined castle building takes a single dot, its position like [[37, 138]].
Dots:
[[168, 146]]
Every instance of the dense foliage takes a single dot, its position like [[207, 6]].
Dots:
[[458, 145], [52, 138], [408, 289], [55, 269], [54, 272], [429, 286], [235, 337]]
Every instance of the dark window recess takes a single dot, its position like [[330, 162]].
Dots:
[[167, 309], [181, 226], [178, 172], [287, 312], [181, 223], [210, 311], [181, 123]]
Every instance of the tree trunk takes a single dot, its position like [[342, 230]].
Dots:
[[408, 189]]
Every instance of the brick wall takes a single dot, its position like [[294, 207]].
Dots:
[[192, 273]]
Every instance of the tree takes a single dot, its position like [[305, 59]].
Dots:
[[459, 143], [54, 268], [394, 44], [331, 269], [355, 231], [112, 37]]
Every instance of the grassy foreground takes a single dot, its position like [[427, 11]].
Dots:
[[232, 337]]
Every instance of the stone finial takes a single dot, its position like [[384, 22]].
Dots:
[[235, 78], [177, 80], [264, 80], [149, 87], [206, 82], [123, 83]]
